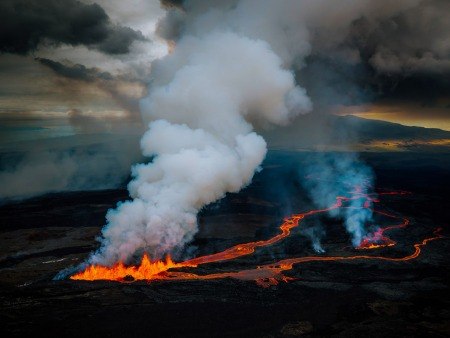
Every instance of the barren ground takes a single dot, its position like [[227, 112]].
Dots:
[[41, 236]]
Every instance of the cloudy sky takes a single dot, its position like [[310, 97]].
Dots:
[[74, 63], [73, 74], [78, 65]]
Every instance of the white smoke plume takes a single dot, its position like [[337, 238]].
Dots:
[[200, 136], [228, 72], [315, 234]]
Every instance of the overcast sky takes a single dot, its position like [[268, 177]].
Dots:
[[73, 75], [90, 61]]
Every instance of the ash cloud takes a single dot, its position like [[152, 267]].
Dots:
[[26, 24]]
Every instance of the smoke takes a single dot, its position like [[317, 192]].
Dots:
[[328, 175], [315, 234], [230, 72], [93, 166], [54, 173], [201, 138]]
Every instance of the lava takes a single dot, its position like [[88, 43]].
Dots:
[[377, 239], [264, 275], [271, 274], [149, 270], [119, 272]]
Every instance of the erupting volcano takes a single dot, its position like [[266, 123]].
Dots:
[[235, 168], [268, 274]]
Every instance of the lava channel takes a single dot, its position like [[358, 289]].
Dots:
[[264, 275]]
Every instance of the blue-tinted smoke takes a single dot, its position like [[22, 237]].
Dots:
[[328, 175]]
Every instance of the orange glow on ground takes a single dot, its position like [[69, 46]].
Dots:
[[145, 271], [264, 275]]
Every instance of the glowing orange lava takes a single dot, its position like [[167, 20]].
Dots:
[[145, 271], [264, 275]]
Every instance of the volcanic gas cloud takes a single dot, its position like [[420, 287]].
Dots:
[[231, 69]]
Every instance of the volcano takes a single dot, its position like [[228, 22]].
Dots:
[[268, 274], [251, 270]]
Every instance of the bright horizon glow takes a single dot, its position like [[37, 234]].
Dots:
[[407, 114], [410, 122]]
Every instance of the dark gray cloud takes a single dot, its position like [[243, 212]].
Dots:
[[75, 71], [406, 56], [25, 24], [391, 51], [114, 85], [172, 3], [415, 41]]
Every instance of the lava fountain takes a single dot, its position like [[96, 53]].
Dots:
[[146, 270]]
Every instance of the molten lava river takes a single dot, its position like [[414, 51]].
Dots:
[[268, 274]]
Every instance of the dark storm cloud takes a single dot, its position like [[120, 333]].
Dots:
[[416, 41], [406, 56], [113, 85], [172, 3], [400, 56], [24, 24], [76, 71]]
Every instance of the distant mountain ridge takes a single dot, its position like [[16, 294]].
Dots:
[[368, 129], [307, 131], [332, 132]]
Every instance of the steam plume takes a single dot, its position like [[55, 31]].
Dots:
[[227, 73], [201, 139], [330, 175]]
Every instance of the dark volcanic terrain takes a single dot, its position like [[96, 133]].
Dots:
[[42, 236]]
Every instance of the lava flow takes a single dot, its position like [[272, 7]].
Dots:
[[119, 272], [264, 275], [377, 239], [149, 270]]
